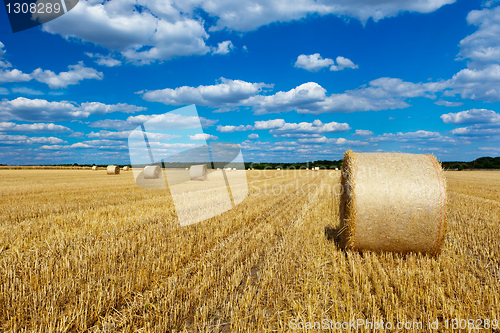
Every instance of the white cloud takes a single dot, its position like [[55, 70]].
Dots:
[[232, 129], [203, 136], [227, 92], [25, 140], [163, 30], [13, 75], [494, 149], [316, 127], [313, 62], [247, 15], [417, 136], [337, 141], [343, 63], [476, 84], [94, 144], [472, 131], [104, 60], [363, 132], [159, 31], [482, 48], [25, 109], [26, 91], [4, 91], [33, 128], [109, 135], [449, 104], [75, 74], [472, 116], [253, 136], [223, 47], [269, 124], [2, 50], [133, 121], [116, 124], [125, 135]]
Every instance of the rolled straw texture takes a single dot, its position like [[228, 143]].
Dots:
[[392, 202], [152, 172], [113, 169], [198, 172]]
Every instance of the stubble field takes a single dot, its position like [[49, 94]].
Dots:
[[81, 251]]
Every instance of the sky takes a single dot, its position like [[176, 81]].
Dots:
[[287, 80]]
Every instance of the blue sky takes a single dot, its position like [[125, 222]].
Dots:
[[286, 80]]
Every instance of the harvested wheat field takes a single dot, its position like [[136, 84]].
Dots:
[[84, 252]]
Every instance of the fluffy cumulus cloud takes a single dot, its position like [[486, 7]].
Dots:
[[125, 134], [472, 116], [232, 129], [202, 136], [363, 132], [253, 136], [143, 32], [223, 47], [147, 31], [315, 62], [227, 92], [169, 120], [420, 136], [269, 124], [104, 60], [482, 48], [91, 144], [33, 128], [316, 127], [75, 74], [336, 141], [25, 140], [343, 63], [25, 109], [447, 103], [484, 123], [247, 15]]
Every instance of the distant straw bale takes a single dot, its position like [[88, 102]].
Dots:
[[198, 172], [113, 169], [152, 172]]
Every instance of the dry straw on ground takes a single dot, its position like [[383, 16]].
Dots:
[[198, 172], [80, 253], [392, 202], [113, 169]]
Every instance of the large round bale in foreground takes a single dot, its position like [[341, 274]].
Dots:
[[94, 168], [198, 172], [113, 169], [152, 172], [392, 202]]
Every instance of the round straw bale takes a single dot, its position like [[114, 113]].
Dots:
[[94, 168], [392, 202], [198, 172], [152, 172], [113, 169], [126, 168]]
